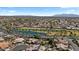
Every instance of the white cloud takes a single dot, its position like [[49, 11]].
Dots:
[[64, 7], [70, 11], [12, 11]]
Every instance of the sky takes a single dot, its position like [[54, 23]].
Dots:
[[38, 11]]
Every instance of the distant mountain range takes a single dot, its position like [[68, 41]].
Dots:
[[66, 15], [57, 15]]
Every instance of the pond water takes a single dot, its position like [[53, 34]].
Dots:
[[29, 33]]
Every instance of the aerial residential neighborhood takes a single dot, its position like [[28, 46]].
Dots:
[[27, 32]]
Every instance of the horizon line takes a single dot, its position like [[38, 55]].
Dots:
[[36, 15]]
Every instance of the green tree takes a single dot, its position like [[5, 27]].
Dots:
[[37, 36], [7, 26]]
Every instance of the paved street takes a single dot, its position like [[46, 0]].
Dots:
[[74, 46], [19, 48]]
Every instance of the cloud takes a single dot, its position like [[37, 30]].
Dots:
[[64, 7], [11, 11], [70, 11]]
